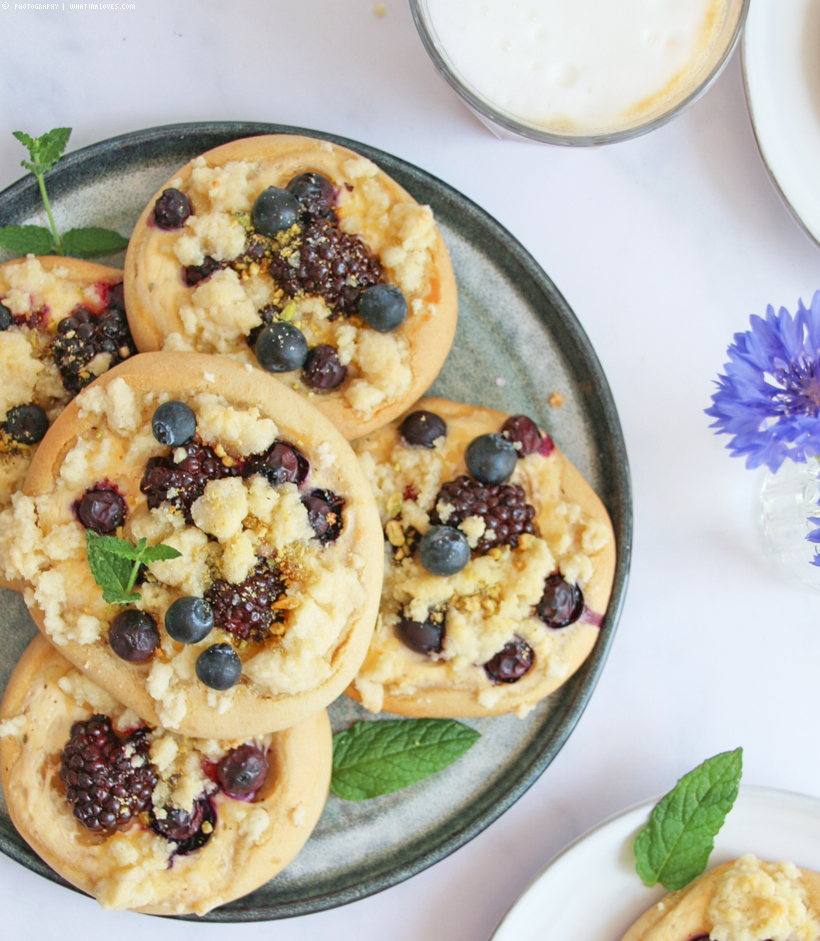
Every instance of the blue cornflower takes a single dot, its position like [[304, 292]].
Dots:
[[769, 399], [814, 536]]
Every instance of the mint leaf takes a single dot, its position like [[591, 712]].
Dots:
[[26, 238], [373, 758], [674, 847], [45, 150], [93, 242], [111, 545], [115, 563], [159, 553], [111, 568]]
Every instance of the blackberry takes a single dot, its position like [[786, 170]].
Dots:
[[511, 662], [331, 263], [101, 781], [190, 831], [101, 509], [325, 514], [503, 508], [245, 610], [165, 481], [83, 335]]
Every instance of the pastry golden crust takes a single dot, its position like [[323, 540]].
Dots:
[[491, 602], [302, 657], [39, 293], [746, 899], [251, 841], [385, 372]]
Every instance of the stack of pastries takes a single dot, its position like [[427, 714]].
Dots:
[[225, 506]]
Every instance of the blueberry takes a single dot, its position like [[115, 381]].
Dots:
[[324, 509], [172, 209], [275, 210], [382, 307], [26, 424], [422, 636], [315, 192], [219, 667], [242, 771], [561, 604], [281, 347], [323, 370], [280, 464], [491, 458], [173, 423], [511, 662], [6, 320], [101, 510], [422, 428], [444, 550], [522, 431], [133, 636], [189, 620]]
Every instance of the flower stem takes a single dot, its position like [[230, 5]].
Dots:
[[58, 245]]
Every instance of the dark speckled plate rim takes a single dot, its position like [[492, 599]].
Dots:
[[114, 156]]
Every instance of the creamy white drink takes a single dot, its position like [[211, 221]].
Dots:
[[577, 66]]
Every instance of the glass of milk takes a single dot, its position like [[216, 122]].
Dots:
[[578, 71]]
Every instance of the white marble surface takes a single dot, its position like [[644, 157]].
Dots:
[[663, 246]]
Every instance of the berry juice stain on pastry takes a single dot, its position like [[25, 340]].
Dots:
[[499, 564], [304, 259], [146, 819], [203, 544], [747, 899], [62, 323]]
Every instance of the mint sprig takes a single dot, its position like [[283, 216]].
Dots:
[[115, 564], [91, 242], [374, 758], [674, 847]]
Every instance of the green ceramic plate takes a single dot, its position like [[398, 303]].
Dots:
[[517, 341]]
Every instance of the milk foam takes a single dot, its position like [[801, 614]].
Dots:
[[574, 64]]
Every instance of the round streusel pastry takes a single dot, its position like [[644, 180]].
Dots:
[[747, 899], [305, 258], [499, 564], [259, 610], [62, 323], [146, 819]]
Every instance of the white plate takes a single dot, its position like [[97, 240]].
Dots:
[[781, 68], [591, 892]]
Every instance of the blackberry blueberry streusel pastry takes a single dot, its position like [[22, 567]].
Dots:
[[146, 819], [304, 258], [202, 543], [499, 562]]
